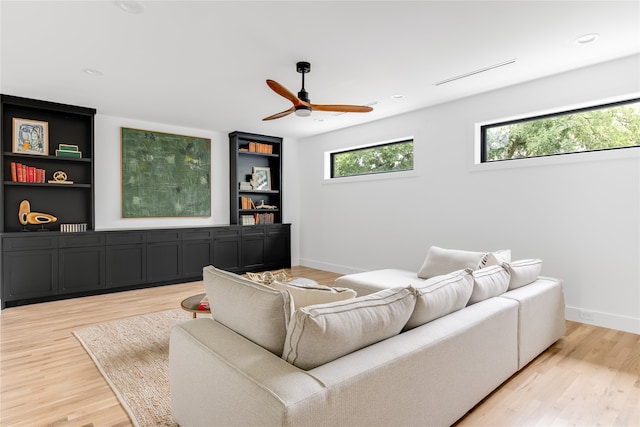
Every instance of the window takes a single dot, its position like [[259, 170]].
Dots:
[[388, 157], [601, 127]]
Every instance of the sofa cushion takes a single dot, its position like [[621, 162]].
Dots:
[[439, 296], [489, 282], [321, 333], [257, 312], [523, 272], [304, 294], [370, 282], [441, 261]]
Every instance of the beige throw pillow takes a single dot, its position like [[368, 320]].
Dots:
[[489, 282], [318, 334], [439, 296], [257, 312], [523, 272], [310, 294], [441, 261]]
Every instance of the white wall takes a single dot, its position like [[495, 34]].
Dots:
[[580, 214], [108, 179]]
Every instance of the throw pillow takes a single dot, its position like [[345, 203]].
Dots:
[[257, 312], [441, 261], [523, 272], [309, 294], [495, 258], [439, 296], [489, 282], [321, 333]]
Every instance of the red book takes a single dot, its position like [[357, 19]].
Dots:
[[31, 174], [22, 172], [14, 172], [40, 175]]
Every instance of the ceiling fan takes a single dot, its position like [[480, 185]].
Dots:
[[302, 106]]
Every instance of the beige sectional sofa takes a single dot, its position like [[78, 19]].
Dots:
[[355, 362]]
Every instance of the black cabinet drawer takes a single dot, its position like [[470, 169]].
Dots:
[[80, 240], [163, 236], [125, 238], [29, 243], [206, 234], [224, 233]]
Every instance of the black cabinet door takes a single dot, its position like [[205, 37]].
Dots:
[[126, 258], [278, 246], [29, 274], [196, 254], [254, 248], [227, 249], [164, 256], [29, 267], [81, 269]]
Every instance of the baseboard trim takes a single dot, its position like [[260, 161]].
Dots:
[[334, 268], [605, 320]]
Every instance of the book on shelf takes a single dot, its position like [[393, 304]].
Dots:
[[25, 173], [247, 220], [264, 218], [258, 147], [247, 203]]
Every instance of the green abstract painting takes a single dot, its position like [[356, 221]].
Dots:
[[165, 175]]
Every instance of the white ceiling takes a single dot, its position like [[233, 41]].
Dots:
[[203, 64]]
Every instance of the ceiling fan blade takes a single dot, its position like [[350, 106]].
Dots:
[[280, 114], [341, 108], [284, 92]]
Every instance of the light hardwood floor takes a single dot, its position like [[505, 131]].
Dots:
[[590, 377]]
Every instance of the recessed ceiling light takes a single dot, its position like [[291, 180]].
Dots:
[[130, 6], [587, 38], [397, 96], [92, 72]]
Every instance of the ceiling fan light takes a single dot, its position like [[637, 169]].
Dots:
[[303, 111]]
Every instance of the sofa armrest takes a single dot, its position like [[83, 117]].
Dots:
[[541, 319], [214, 372]]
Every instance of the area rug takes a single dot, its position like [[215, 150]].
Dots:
[[133, 356]]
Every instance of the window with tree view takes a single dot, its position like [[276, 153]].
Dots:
[[389, 157], [589, 129]]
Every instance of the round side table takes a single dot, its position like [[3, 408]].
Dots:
[[191, 304]]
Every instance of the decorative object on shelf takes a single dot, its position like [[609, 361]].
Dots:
[[24, 173], [261, 178], [73, 228], [165, 175], [60, 177], [27, 217], [30, 137], [67, 150], [245, 186], [263, 206]]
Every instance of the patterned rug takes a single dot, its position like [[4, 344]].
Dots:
[[133, 356]]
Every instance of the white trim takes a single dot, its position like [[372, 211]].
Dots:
[[604, 320]]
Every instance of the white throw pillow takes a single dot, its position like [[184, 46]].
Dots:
[[311, 294], [489, 282], [321, 333], [439, 296], [523, 272], [441, 261], [257, 312], [495, 258]]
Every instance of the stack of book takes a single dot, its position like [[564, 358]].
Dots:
[[247, 220], [246, 186], [24, 173], [264, 218], [66, 150], [258, 147], [246, 203]]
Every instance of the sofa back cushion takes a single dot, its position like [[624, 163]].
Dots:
[[441, 261], [321, 333], [489, 282], [524, 272], [310, 294], [257, 312], [439, 296]]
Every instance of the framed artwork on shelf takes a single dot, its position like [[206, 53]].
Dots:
[[165, 175], [30, 137], [261, 178]]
